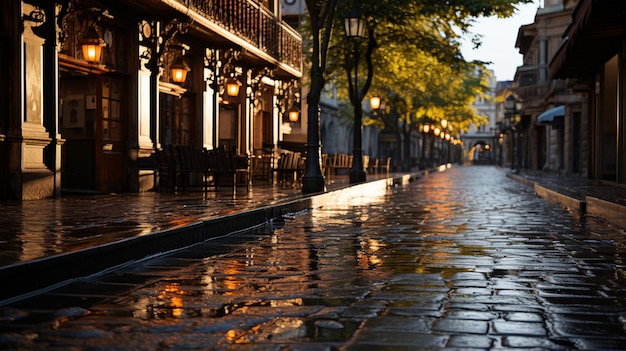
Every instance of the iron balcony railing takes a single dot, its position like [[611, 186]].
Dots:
[[257, 25], [532, 81], [532, 75]]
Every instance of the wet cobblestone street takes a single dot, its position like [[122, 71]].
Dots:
[[462, 259]]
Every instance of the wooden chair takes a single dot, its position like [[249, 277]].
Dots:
[[261, 167], [290, 167], [341, 162], [166, 167], [373, 166], [228, 169], [184, 167], [384, 164]]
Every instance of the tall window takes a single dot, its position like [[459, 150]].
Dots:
[[175, 120], [111, 110]]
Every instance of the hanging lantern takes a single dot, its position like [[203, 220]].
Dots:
[[294, 114], [179, 70], [232, 87], [92, 45]]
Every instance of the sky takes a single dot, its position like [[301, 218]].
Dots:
[[499, 36]]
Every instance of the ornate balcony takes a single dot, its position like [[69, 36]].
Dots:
[[532, 75], [256, 25], [532, 81]]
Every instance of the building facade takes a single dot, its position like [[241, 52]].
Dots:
[[591, 58], [551, 130], [480, 142], [72, 121]]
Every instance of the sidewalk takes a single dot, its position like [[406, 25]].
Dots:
[[582, 196]]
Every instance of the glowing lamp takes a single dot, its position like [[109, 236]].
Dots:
[[92, 45], [179, 70], [375, 102], [232, 87], [294, 114]]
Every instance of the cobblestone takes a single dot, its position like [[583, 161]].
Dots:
[[463, 259]]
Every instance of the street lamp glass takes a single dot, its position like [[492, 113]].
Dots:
[[354, 25], [510, 102], [375, 102], [294, 114]]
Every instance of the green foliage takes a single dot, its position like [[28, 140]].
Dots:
[[411, 57]]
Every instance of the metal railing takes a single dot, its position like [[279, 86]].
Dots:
[[249, 20], [532, 75], [532, 81]]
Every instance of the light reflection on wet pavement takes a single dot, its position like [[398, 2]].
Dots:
[[461, 259]]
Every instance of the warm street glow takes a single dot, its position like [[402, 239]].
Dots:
[[375, 102]]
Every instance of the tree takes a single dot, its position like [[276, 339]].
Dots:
[[426, 25]]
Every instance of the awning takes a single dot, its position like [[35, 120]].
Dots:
[[548, 116], [592, 38]]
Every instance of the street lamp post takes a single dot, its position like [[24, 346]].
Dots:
[[513, 108], [499, 136], [355, 29], [445, 137], [425, 128]]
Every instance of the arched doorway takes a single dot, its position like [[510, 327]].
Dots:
[[481, 153]]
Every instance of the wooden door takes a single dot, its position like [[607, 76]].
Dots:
[[111, 129]]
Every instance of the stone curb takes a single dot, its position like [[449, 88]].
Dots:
[[612, 213], [568, 201]]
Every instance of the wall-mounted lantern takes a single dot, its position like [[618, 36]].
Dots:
[[232, 86], [179, 70], [92, 45], [294, 114]]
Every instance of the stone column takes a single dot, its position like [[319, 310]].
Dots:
[[29, 177]]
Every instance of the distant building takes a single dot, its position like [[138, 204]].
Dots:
[[480, 142]]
